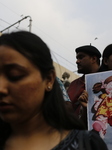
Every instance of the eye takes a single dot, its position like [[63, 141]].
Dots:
[[14, 78], [14, 74], [80, 57]]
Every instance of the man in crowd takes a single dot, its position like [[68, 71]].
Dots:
[[88, 61]]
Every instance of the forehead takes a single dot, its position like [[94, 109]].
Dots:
[[81, 54], [10, 55]]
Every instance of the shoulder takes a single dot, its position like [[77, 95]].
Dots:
[[69, 142], [91, 140], [77, 83], [81, 140], [80, 79]]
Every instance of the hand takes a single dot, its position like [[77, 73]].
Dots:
[[83, 98]]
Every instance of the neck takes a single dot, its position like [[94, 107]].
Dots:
[[34, 125], [94, 69]]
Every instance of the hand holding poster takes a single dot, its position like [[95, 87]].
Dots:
[[99, 88]]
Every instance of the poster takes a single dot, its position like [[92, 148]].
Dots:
[[99, 112]]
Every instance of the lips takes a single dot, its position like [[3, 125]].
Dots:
[[79, 66], [5, 107]]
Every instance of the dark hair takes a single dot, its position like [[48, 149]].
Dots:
[[106, 53], [54, 107]]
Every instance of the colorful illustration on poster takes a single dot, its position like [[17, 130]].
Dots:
[[99, 88]]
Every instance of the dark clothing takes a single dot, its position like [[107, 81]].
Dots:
[[81, 140], [74, 91]]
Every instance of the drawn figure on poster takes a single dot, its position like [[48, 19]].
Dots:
[[102, 107]]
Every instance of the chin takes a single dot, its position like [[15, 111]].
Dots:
[[8, 118], [80, 71]]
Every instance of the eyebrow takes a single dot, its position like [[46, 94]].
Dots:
[[79, 55], [14, 66]]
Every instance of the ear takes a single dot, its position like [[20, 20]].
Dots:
[[50, 80], [94, 59], [105, 61]]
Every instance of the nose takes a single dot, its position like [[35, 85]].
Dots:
[[3, 86], [77, 61]]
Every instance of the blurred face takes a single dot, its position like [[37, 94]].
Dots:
[[108, 62], [22, 88], [84, 62]]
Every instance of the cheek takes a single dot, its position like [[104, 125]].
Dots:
[[85, 61], [110, 66], [26, 89], [109, 63], [29, 93]]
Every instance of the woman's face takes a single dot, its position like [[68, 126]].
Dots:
[[108, 62], [22, 88]]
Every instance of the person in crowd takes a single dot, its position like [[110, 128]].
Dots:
[[106, 59], [88, 61], [33, 114], [65, 95], [66, 84]]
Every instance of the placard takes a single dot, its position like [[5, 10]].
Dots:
[[99, 110]]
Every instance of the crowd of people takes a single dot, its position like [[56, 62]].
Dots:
[[88, 61], [33, 112]]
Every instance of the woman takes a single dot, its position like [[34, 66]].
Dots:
[[106, 59], [33, 113]]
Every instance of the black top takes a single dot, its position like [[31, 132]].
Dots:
[[81, 140]]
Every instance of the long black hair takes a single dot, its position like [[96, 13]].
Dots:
[[54, 108]]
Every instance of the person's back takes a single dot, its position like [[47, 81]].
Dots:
[[87, 62]]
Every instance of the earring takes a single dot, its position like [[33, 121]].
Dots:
[[49, 87]]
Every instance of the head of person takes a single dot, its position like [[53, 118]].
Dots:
[[27, 68], [28, 84], [88, 59], [107, 59]]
